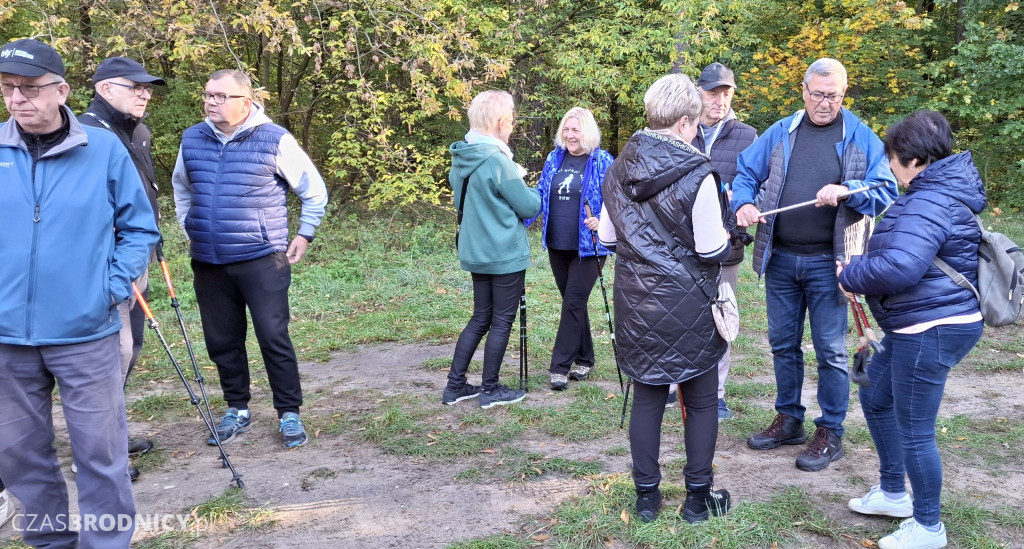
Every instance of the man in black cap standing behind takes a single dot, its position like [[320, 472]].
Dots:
[[123, 90]]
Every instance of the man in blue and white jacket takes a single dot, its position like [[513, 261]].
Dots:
[[231, 183], [820, 153], [78, 228]]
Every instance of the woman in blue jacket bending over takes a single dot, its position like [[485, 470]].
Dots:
[[572, 177], [930, 322]]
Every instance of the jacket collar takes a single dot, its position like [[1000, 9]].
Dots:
[[120, 122], [256, 117], [11, 137]]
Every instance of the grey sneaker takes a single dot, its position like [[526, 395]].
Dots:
[[293, 432], [559, 382], [229, 426], [466, 392], [579, 372], [501, 396]]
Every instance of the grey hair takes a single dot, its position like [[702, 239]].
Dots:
[[588, 127], [487, 108], [238, 76], [671, 98], [826, 66]]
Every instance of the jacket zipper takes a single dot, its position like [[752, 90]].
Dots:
[[30, 309]]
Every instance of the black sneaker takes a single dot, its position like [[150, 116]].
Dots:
[[702, 503], [133, 473], [579, 372], [823, 449], [466, 392], [648, 501], [501, 396], [139, 446], [784, 430], [559, 382]]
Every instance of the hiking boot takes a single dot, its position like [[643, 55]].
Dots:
[[702, 503], [723, 411], [6, 507], [579, 372], [230, 425], [133, 473], [139, 446], [648, 501], [500, 396], [783, 430], [559, 382], [823, 449], [293, 432], [875, 502], [672, 397], [912, 535], [466, 392]]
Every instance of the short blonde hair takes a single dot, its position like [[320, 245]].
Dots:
[[487, 108], [588, 127], [669, 99]]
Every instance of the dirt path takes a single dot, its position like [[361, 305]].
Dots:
[[375, 500]]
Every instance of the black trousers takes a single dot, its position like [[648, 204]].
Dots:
[[575, 277], [495, 302], [223, 292], [700, 396]]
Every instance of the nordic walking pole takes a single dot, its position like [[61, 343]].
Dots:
[[810, 202], [193, 399], [181, 324], [524, 361], [604, 294]]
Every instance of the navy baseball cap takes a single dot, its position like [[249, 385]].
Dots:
[[29, 57], [715, 75], [114, 67]]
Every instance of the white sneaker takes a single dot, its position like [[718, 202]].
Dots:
[[875, 503], [912, 535], [6, 507]]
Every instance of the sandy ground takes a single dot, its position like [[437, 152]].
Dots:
[[378, 500]]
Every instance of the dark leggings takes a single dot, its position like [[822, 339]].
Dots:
[[495, 302], [700, 396], [575, 277]]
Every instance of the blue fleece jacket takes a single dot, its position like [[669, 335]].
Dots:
[[934, 218], [593, 177], [78, 228]]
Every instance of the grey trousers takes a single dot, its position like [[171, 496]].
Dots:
[[89, 377], [730, 274]]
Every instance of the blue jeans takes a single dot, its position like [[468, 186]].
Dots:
[[797, 285], [913, 366]]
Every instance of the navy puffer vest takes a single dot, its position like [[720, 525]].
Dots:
[[239, 204]]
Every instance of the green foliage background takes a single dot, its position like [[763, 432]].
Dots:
[[376, 89]]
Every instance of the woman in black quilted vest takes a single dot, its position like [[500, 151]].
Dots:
[[663, 210]]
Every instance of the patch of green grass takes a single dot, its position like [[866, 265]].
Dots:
[[588, 416], [229, 511], [472, 474], [503, 541], [749, 389], [617, 450], [169, 540], [970, 525], [412, 427], [523, 465], [991, 444], [154, 459], [160, 407], [15, 543]]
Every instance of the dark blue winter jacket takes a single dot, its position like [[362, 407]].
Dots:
[[239, 204], [934, 218], [593, 178]]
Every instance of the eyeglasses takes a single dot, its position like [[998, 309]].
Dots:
[[832, 98], [28, 91], [219, 98], [138, 89]]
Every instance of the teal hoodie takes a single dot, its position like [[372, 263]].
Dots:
[[493, 238]]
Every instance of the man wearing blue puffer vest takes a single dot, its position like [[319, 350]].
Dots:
[[231, 183]]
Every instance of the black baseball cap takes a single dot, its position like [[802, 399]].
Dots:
[[29, 57], [715, 75], [114, 67]]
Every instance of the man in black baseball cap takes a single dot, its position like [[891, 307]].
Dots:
[[77, 229], [123, 90]]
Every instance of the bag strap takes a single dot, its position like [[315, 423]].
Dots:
[[677, 252], [462, 200], [960, 279]]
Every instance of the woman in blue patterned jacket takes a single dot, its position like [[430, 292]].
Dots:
[[572, 176]]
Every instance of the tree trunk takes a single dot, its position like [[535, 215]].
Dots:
[[613, 127], [961, 20]]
